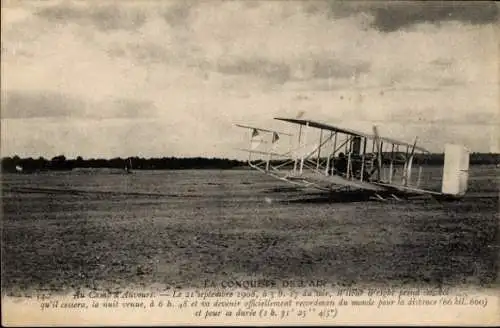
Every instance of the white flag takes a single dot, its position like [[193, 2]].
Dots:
[[276, 137], [256, 139]]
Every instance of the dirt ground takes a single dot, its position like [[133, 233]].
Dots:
[[179, 228]]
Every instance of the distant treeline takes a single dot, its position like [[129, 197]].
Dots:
[[61, 163], [17, 164]]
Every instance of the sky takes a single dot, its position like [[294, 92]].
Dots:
[[171, 78]]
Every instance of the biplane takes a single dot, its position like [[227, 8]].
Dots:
[[341, 159]]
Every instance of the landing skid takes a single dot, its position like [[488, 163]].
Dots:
[[392, 196], [396, 197], [377, 197]]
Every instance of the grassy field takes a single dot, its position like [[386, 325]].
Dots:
[[181, 227]]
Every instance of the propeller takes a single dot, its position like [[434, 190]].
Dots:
[[379, 151], [413, 148], [408, 163]]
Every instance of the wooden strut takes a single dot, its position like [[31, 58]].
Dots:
[[305, 143], [363, 160], [327, 170], [295, 155], [319, 148]]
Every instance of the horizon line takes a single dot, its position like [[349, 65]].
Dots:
[[177, 157]]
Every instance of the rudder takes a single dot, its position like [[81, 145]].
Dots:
[[455, 170]]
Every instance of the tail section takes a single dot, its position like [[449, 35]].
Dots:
[[455, 170]]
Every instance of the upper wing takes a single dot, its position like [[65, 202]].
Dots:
[[323, 126], [329, 127]]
